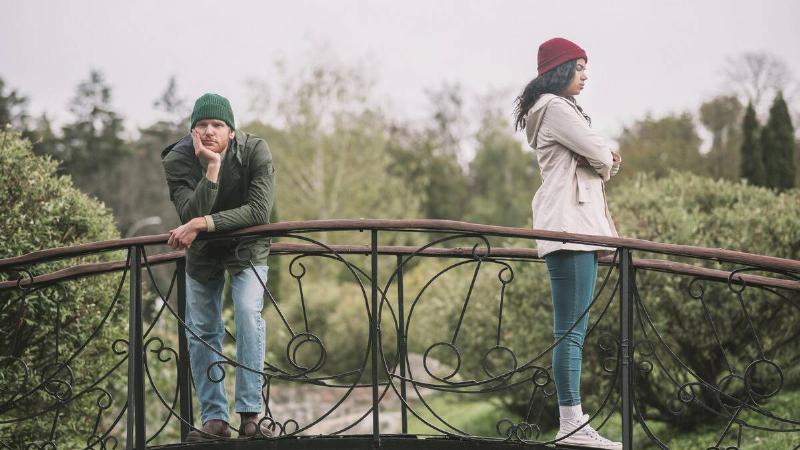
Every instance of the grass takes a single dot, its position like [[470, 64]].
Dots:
[[479, 417]]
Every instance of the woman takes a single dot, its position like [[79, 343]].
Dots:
[[575, 163]]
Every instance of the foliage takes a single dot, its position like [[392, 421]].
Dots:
[[659, 145], [757, 76], [145, 178], [700, 210], [714, 214], [502, 176], [42, 210], [338, 155], [12, 108], [427, 158], [720, 115], [752, 158], [93, 140], [778, 146], [333, 309], [332, 158], [90, 148]]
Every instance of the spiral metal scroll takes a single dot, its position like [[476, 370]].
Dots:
[[514, 374], [42, 389], [744, 388], [299, 341]]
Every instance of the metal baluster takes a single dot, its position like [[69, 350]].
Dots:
[[184, 370], [626, 346], [401, 341], [373, 334], [136, 432]]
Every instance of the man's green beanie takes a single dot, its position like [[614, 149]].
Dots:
[[213, 106]]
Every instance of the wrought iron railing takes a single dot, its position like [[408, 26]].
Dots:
[[422, 324]]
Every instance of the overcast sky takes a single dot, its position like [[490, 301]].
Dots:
[[644, 56]]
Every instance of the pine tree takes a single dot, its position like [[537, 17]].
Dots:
[[752, 163], [777, 142], [13, 108]]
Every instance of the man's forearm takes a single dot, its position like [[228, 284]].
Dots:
[[212, 172], [199, 223]]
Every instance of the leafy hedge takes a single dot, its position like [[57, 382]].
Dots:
[[41, 209], [679, 208]]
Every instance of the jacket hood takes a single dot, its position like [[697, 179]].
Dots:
[[534, 118], [183, 145]]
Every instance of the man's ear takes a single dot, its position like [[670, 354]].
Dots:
[[233, 135]]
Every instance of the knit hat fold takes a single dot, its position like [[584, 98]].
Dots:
[[557, 51], [213, 106]]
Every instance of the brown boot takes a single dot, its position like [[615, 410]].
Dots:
[[253, 427], [212, 430]]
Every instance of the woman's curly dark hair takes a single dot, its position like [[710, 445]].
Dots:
[[553, 81]]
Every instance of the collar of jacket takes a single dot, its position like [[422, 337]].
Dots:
[[237, 145]]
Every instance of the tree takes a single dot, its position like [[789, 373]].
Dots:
[[678, 208], [429, 158], [720, 116], [12, 108], [43, 210], [92, 148], [660, 145], [171, 103], [502, 176], [94, 140], [144, 174], [777, 143], [757, 76], [332, 153], [752, 159]]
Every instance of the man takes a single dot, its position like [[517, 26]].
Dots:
[[220, 180]]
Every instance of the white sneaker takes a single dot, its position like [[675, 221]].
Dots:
[[585, 437]]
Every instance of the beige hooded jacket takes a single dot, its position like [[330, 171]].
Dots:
[[571, 198]]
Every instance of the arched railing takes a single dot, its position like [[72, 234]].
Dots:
[[97, 330]]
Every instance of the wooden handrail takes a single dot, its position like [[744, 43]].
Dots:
[[86, 270], [282, 228]]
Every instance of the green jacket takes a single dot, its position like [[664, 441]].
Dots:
[[242, 196]]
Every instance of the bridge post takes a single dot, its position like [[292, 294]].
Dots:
[[136, 431], [184, 371], [401, 345], [374, 326], [626, 345]]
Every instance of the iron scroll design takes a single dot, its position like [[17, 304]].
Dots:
[[445, 319]]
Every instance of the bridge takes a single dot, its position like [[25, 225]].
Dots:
[[376, 328]]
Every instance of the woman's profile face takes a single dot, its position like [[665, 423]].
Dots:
[[578, 79]]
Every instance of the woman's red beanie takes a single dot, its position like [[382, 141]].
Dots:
[[557, 51]]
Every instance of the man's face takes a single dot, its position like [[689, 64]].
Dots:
[[214, 134]]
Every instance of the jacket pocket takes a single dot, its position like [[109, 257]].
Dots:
[[584, 183]]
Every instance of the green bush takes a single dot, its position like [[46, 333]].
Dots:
[[688, 209], [43, 210], [680, 208]]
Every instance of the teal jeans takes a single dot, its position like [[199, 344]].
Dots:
[[572, 279]]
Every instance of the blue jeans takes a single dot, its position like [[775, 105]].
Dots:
[[204, 317], [572, 279]]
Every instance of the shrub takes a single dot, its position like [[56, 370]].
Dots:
[[44, 329], [680, 208]]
